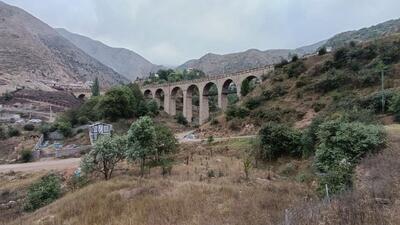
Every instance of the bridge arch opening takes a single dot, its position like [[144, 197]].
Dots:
[[160, 98], [229, 94], [248, 84], [176, 104], [208, 101], [148, 94], [192, 104]]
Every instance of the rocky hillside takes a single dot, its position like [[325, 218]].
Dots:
[[124, 61], [216, 64], [365, 34], [31, 51]]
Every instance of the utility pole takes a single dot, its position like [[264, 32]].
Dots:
[[382, 68], [383, 89]]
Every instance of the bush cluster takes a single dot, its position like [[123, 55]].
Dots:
[[341, 146], [235, 111], [43, 192], [279, 139]]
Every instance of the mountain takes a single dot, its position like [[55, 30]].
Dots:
[[32, 51], [216, 64], [124, 61], [365, 34]]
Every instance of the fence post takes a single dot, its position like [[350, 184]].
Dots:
[[327, 193], [287, 217]]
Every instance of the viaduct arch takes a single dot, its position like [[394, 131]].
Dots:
[[168, 94]]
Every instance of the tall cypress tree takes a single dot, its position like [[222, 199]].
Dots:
[[96, 88]]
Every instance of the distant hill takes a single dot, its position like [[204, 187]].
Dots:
[[216, 64], [30, 51], [124, 61], [365, 34]]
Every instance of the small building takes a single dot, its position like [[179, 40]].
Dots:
[[98, 129]]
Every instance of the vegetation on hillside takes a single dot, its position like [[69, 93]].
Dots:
[[164, 76]]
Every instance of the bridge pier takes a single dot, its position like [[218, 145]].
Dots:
[[204, 112], [187, 106]]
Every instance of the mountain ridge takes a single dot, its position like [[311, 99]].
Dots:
[[124, 61], [31, 51], [212, 63]]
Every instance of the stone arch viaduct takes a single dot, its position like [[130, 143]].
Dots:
[[222, 82]]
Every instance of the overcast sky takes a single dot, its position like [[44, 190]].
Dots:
[[171, 32]]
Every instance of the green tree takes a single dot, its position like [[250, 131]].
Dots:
[[142, 141], [96, 88], [152, 107], [166, 142], [106, 154], [118, 103]]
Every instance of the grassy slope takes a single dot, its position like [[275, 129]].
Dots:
[[188, 196]]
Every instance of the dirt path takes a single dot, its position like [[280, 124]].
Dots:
[[62, 164]]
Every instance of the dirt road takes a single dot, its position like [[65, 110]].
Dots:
[[42, 165]]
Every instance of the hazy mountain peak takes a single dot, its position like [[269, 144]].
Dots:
[[124, 61]]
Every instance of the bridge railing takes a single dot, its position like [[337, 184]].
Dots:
[[212, 78]]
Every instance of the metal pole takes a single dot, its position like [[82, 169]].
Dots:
[[286, 217], [327, 193]]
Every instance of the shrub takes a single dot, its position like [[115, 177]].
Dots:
[[253, 103], [235, 124], [76, 182], [29, 127], [340, 57], [83, 120], [152, 107], [277, 140], [214, 121], [374, 101], [181, 119], [43, 192], [318, 106], [395, 106], [13, 132], [7, 96], [65, 128], [269, 115], [322, 51], [295, 58], [26, 155], [234, 111], [47, 128], [3, 134], [283, 63], [341, 146], [296, 68], [332, 81]]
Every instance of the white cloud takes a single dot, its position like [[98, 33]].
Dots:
[[173, 31]]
